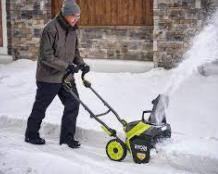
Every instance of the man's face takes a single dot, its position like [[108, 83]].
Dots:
[[72, 20]]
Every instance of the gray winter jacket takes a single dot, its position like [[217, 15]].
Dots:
[[58, 49]]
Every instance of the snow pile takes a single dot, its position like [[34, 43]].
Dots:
[[203, 50]]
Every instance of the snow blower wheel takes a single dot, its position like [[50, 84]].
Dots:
[[116, 150]]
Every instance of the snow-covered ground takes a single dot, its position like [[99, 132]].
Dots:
[[192, 113]]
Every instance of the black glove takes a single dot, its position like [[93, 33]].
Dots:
[[84, 68], [73, 68]]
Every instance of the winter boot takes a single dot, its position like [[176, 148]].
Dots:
[[34, 139], [71, 142]]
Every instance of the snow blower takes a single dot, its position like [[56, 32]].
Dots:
[[141, 135]]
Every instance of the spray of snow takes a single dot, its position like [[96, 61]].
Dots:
[[204, 50]]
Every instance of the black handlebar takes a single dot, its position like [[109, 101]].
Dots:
[[66, 75], [83, 76], [86, 83], [72, 70]]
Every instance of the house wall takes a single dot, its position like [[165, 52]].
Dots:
[[130, 43], [176, 22], [4, 57], [3, 30], [25, 20]]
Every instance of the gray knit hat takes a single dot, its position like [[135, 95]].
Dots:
[[70, 7]]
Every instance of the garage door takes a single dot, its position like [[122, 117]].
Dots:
[[112, 12]]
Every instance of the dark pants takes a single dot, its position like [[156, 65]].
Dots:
[[46, 92]]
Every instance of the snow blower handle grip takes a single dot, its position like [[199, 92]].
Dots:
[[86, 83]]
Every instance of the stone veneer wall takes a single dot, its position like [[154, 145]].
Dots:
[[176, 22], [25, 19], [130, 43]]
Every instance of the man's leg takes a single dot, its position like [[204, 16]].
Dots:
[[44, 95], [71, 109]]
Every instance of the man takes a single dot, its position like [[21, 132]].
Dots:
[[58, 53]]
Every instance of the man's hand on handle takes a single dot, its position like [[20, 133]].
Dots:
[[73, 69], [84, 68]]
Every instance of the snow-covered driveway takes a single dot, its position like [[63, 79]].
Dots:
[[192, 114]]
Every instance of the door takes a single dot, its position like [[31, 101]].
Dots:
[[112, 12]]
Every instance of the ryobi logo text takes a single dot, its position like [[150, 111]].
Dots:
[[141, 147]]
